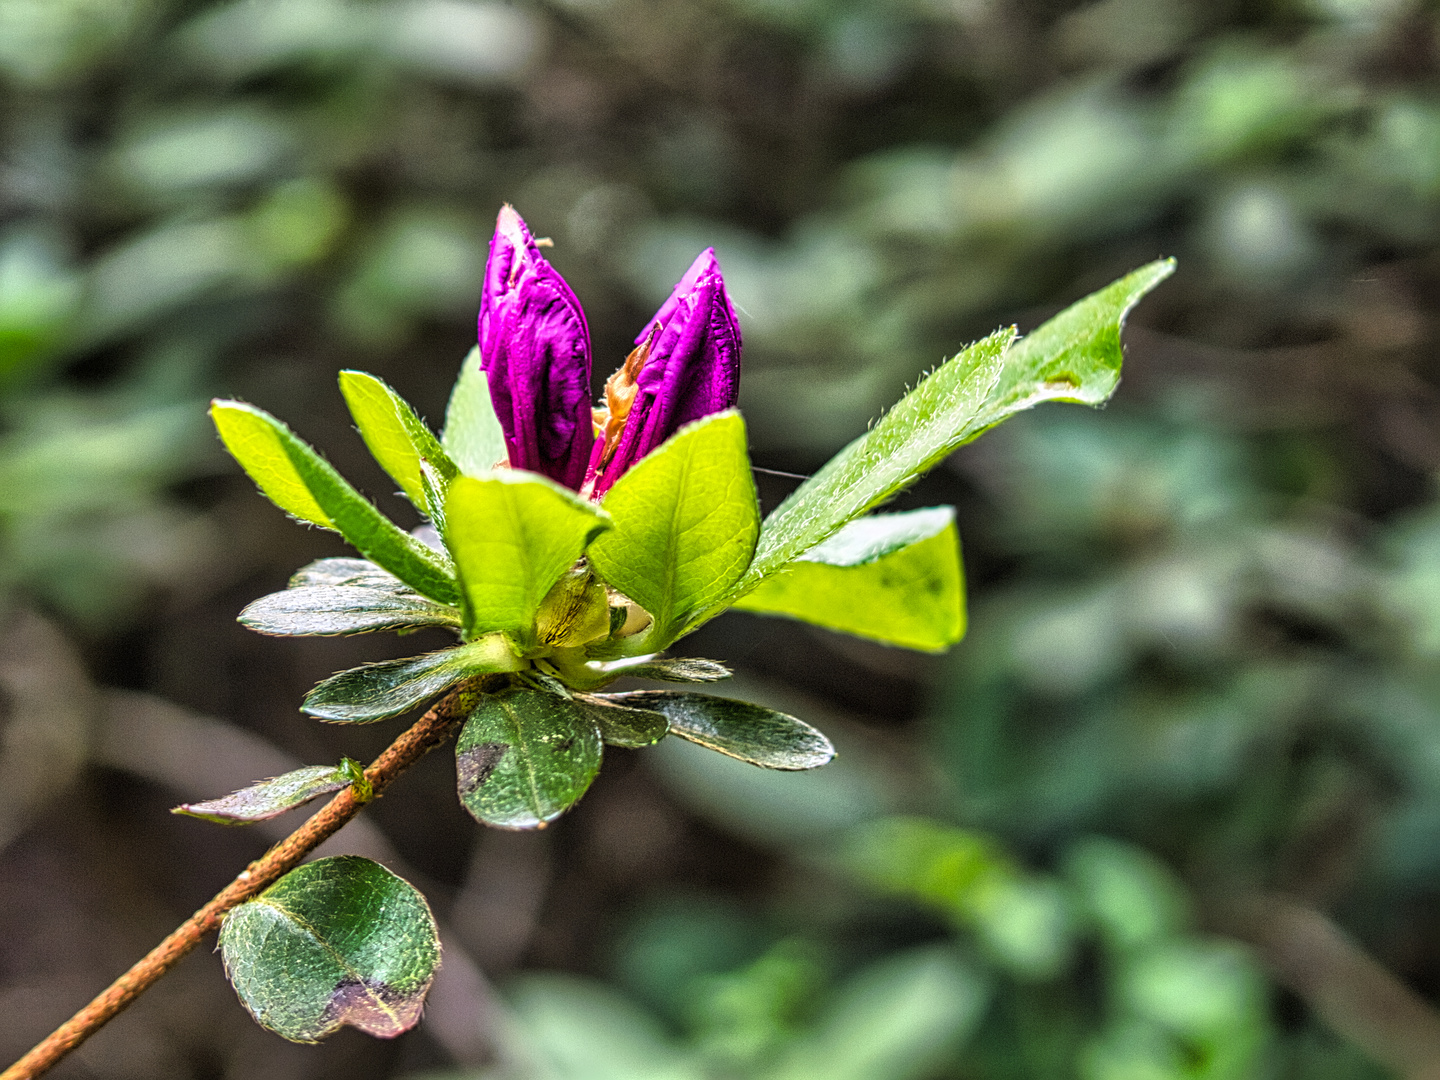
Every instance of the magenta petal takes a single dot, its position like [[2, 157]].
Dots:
[[535, 350], [692, 371]]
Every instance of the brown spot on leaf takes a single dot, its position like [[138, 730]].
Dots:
[[474, 766]]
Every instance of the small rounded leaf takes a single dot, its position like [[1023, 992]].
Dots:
[[334, 942], [525, 757], [753, 733]]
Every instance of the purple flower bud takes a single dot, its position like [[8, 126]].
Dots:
[[535, 350], [686, 365]]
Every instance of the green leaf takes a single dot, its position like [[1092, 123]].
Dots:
[[397, 438], [524, 757], [473, 436], [434, 484], [300, 482], [344, 572], [749, 732], [894, 578], [916, 434], [337, 941], [686, 520], [621, 725], [373, 692], [273, 797], [344, 609], [677, 669], [513, 534], [1074, 357]]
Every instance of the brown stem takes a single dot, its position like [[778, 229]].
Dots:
[[1346, 987], [427, 733]]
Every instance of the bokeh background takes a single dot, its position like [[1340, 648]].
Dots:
[[1171, 810]]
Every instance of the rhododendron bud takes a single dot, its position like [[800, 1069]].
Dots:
[[686, 365], [535, 350]]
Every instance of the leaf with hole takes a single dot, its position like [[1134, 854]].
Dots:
[[524, 757], [373, 692], [473, 437], [513, 534], [271, 798], [397, 438], [344, 609], [299, 481], [337, 941], [893, 578], [753, 733], [686, 518]]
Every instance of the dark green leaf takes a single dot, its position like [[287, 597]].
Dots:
[[686, 519], [513, 534], [473, 437], [524, 757], [749, 732], [344, 609], [621, 725], [337, 941], [398, 439], [378, 691], [894, 578], [273, 797], [302, 483]]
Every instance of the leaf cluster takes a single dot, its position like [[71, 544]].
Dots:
[[553, 597]]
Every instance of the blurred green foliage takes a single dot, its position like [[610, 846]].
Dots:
[[1202, 665]]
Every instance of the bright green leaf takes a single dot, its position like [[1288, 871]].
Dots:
[[749, 732], [344, 609], [621, 725], [334, 942], [300, 482], [686, 520], [920, 430], [433, 485], [1073, 357], [397, 438], [473, 437], [273, 797], [513, 534], [524, 757], [378, 691], [894, 578]]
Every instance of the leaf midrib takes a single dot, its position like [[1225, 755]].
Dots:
[[339, 958]]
